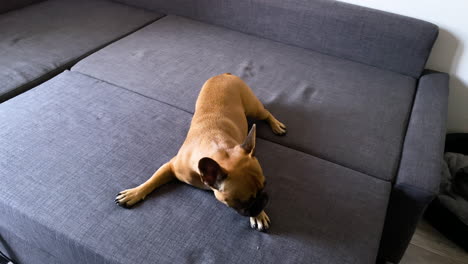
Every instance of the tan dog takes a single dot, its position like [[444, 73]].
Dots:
[[217, 154]]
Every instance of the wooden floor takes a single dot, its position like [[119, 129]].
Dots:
[[428, 246]]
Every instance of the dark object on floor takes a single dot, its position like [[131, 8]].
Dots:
[[460, 183], [448, 213], [457, 142]]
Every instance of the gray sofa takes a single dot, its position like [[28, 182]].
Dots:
[[119, 80]]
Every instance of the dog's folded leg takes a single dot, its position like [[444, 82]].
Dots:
[[254, 108], [129, 197]]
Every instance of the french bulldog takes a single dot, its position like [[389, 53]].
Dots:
[[218, 154]]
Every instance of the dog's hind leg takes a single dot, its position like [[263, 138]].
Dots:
[[276, 126], [129, 197], [255, 109]]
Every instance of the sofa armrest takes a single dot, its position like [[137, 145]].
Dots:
[[9, 5], [420, 164], [419, 174]]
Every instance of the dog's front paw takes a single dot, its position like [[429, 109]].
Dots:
[[261, 222], [129, 197]]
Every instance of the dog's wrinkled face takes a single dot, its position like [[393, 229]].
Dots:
[[238, 182], [243, 188]]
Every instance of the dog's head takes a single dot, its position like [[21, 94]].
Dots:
[[237, 180]]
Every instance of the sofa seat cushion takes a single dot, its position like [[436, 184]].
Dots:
[[342, 111], [70, 145], [43, 39]]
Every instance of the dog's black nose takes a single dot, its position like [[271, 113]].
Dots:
[[255, 206]]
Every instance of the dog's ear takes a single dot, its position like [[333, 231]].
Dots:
[[249, 143], [211, 173]]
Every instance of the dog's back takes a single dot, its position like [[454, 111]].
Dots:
[[218, 124], [220, 109]]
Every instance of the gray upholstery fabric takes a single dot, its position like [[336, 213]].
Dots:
[[420, 168], [23, 251], [424, 143], [47, 37], [406, 207], [339, 110], [8, 5], [69, 145], [373, 37]]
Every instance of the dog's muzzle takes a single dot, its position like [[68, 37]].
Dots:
[[256, 207]]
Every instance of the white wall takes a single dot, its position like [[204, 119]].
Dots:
[[448, 54]]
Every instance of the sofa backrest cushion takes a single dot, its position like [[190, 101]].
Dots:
[[389, 41], [8, 5]]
